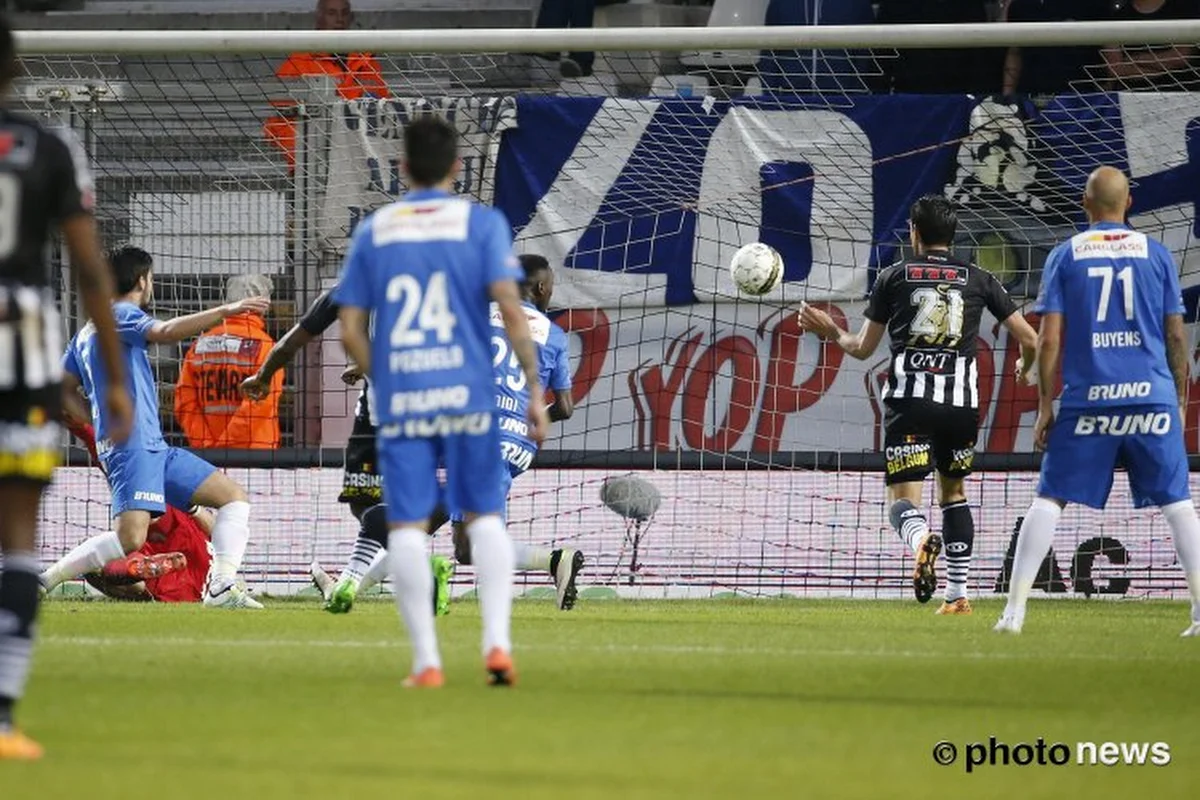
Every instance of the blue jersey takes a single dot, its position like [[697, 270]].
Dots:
[[423, 266], [1113, 287], [83, 360], [512, 389]]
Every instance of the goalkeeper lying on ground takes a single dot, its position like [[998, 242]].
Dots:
[[170, 567]]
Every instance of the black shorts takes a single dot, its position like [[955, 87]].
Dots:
[[30, 386], [920, 436], [361, 481], [30, 435]]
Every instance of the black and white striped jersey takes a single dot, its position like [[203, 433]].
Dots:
[[932, 306], [44, 181]]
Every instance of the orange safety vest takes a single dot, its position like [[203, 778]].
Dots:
[[357, 75], [208, 400]]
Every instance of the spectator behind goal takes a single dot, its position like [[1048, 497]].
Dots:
[[356, 75], [208, 403]]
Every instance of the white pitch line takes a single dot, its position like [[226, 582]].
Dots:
[[687, 649]]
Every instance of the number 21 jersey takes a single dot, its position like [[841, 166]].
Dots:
[[932, 306]]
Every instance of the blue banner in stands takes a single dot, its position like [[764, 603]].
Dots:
[[653, 195]]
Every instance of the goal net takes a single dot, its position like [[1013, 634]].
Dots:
[[638, 182]]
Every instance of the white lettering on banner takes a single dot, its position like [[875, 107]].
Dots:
[[431, 400], [1123, 424], [1156, 128], [429, 359], [842, 223], [566, 211], [1106, 339], [1119, 391], [366, 149]]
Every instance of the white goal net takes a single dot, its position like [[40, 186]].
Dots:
[[638, 182]]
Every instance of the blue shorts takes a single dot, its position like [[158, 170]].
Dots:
[[150, 480], [1086, 446], [476, 479], [517, 455]]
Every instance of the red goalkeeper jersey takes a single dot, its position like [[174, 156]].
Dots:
[[174, 532]]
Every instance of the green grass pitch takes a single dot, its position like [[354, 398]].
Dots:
[[617, 699]]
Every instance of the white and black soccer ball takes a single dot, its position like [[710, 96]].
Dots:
[[756, 268]]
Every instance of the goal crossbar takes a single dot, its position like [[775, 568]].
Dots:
[[609, 39]]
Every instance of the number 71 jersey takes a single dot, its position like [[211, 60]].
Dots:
[[932, 306], [1114, 288]]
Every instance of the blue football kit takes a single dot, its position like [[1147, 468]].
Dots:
[[143, 472], [423, 268], [1119, 407]]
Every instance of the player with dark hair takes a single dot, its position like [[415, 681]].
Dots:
[[361, 487], [1112, 315], [144, 473], [46, 188], [425, 269], [931, 306], [512, 398]]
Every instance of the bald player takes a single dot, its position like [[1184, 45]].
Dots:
[[1112, 314]]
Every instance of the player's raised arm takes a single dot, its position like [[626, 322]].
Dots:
[[177, 329], [320, 315]]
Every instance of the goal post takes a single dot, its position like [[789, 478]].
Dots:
[[638, 183]]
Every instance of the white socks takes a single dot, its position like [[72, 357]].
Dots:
[[493, 558], [90, 556], [376, 571], [412, 582], [526, 556], [1037, 534], [1185, 530], [230, 534]]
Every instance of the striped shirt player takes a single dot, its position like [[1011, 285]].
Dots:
[[423, 270], [1111, 306], [44, 189], [931, 306], [43, 180]]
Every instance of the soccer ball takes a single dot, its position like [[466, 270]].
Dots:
[[756, 268]]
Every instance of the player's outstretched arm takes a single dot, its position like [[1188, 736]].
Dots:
[[508, 298], [1178, 357], [859, 345], [177, 329], [1019, 328], [355, 338], [95, 281], [258, 385]]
